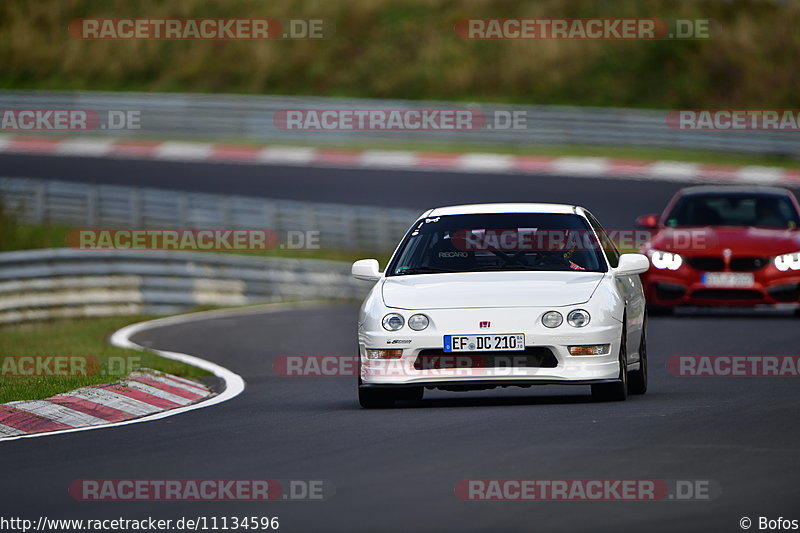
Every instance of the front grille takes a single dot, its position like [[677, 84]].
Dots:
[[737, 264], [727, 294], [713, 264], [531, 357], [748, 264]]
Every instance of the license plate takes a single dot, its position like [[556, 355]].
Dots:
[[504, 342], [728, 279]]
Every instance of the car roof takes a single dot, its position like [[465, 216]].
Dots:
[[469, 209], [728, 189]]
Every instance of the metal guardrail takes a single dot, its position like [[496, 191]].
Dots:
[[62, 283], [81, 205], [240, 117]]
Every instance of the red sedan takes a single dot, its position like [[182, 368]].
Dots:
[[724, 246]]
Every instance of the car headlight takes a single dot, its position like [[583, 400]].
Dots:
[[393, 322], [787, 261], [552, 319], [418, 322], [578, 318], [665, 260]]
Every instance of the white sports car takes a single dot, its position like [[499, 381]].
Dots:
[[481, 296]]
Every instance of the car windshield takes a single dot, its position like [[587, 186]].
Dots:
[[499, 242], [725, 209]]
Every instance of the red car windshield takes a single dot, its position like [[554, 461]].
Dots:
[[758, 210]]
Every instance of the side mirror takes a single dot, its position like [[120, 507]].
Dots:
[[366, 269], [630, 264], [647, 221]]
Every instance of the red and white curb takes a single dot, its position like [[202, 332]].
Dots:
[[143, 397], [142, 393], [581, 167], [145, 383]]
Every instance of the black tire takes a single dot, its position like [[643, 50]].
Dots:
[[617, 391], [374, 398], [637, 379], [410, 394]]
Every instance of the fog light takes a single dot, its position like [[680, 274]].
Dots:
[[384, 354], [589, 349]]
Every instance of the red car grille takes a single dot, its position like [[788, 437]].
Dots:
[[737, 264], [727, 294], [748, 264], [713, 264]]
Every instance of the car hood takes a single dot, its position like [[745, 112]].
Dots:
[[489, 289], [741, 241]]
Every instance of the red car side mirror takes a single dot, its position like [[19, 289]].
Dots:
[[647, 221]]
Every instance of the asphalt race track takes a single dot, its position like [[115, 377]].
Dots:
[[616, 203], [396, 470]]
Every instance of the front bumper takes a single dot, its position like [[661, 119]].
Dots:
[[667, 288], [567, 369]]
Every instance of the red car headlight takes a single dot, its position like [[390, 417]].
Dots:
[[665, 260], [787, 261]]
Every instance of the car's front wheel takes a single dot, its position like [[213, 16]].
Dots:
[[637, 379], [371, 398], [659, 310], [384, 397], [618, 390], [376, 398]]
